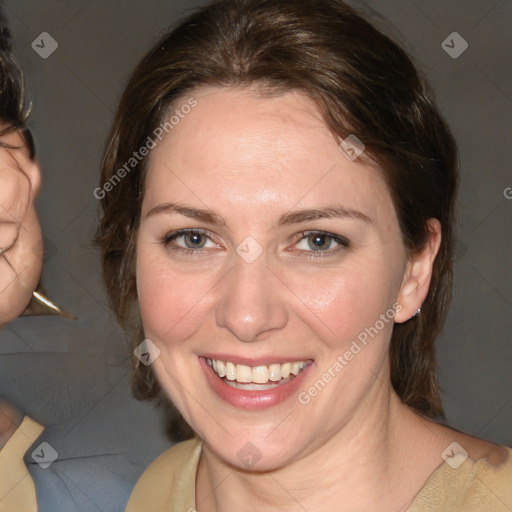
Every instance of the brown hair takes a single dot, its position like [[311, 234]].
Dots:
[[361, 82], [12, 91]]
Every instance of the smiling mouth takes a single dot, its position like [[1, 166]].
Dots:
[[256, 378]]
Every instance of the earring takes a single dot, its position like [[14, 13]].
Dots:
[[41, 305], [416, 313]]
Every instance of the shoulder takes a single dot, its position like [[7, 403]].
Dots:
[[489, 481], [461, 483], [169, 480], [476, 449], [174, 458], [16, 491], [475, 475]]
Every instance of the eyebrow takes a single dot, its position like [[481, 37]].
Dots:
[[336, 212], [296, 217], [187, 211]]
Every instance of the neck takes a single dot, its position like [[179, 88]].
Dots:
[[361, 464]]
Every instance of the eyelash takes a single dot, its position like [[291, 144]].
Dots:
[[170, 237], [342, 241]]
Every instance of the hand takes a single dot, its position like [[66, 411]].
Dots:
[[21, 250]]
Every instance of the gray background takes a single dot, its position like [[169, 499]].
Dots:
[[73, 375]]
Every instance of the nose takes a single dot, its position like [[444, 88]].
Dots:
[[251, 303]]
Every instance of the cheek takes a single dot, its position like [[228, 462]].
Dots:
[[342, 303], [173, 304]]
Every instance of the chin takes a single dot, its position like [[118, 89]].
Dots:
[[255, 452]]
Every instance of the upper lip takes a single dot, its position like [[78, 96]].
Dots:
[[256, 361]]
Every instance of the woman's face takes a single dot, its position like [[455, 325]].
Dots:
[[20, 232], [290, 251]]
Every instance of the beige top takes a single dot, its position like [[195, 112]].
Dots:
[[168, 485], [17, 491]]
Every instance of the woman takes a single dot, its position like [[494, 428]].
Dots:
[[278, 193], [21, 259]]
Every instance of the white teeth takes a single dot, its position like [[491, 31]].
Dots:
[[251, 386], [221, 370], [230, 371], [274, 371], [243, 373], [258, 374], [295, 368]]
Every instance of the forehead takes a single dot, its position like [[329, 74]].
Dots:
[[248, 151]]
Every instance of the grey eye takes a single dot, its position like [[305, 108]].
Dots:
[[195, 240], [319, 242]]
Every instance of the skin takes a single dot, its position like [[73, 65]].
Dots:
[[20, 232], [251, 160], [20, 237]]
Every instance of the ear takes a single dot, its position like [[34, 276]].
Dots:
[[418, 274]]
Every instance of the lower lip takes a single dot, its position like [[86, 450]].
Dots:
[[252, 399]]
